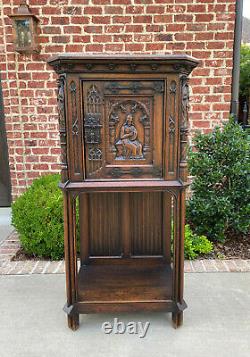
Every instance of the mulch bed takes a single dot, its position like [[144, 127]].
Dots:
[[235, 247], [21, 255]]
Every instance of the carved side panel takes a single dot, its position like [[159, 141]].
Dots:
[[62, 127], [93, 128], [172, 127], [75, 130], [184, 127]]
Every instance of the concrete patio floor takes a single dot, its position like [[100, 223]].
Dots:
[[216, 323]]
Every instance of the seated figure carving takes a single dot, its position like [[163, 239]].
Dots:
[[128, 146]]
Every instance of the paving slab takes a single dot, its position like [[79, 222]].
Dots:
[[216, 323]]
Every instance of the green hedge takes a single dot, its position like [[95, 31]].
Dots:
[[220, 164]]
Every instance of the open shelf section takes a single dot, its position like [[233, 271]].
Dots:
[[139, 285]]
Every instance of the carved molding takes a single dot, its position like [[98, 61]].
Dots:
[[184, 100], [89, 66], [133, 67], [62, 125], [116, 172], [172, 89], [172, 116], [185, 68], [154, 66], [135, 87], [184, 126], [135, 171], [111, 66], [127, 106], [172, 126], [75, 128], [76, 138]]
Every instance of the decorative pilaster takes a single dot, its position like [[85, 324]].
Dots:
[[184, 127], [62, 126]]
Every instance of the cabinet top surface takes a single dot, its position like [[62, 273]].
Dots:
[[122, 57], [122, 63]]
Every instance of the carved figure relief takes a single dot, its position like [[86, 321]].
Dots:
[[129, 129], [185, 101], [128, 146]]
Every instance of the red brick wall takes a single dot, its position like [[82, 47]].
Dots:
[[201, 28]]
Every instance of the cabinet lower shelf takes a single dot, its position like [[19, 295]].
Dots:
[[121, 287]]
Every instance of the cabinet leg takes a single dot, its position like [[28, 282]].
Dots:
[[177, 318], [73, 322]]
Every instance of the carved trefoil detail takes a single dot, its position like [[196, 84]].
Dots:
[[95, 154]]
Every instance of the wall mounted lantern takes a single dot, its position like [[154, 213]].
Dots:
[[25, 29]]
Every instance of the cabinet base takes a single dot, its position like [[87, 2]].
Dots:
[[137, 286]]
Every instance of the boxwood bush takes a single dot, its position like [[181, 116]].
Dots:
[[37, 216], [220, 164]]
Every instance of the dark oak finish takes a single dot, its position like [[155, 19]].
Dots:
[[123, 127]]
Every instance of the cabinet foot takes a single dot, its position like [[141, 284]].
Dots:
[[73, 322], [177, 318]]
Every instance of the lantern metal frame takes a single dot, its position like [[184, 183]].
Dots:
[[25, 41]]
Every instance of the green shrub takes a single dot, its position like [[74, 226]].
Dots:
[[221, 192], [37, 216], [244, 70], [195, 245]]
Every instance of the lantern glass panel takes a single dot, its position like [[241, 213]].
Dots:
[[23, 31]]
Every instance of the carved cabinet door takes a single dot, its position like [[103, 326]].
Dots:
[[123, 128]]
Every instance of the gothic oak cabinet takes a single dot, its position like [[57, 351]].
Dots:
[[123, 128]]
